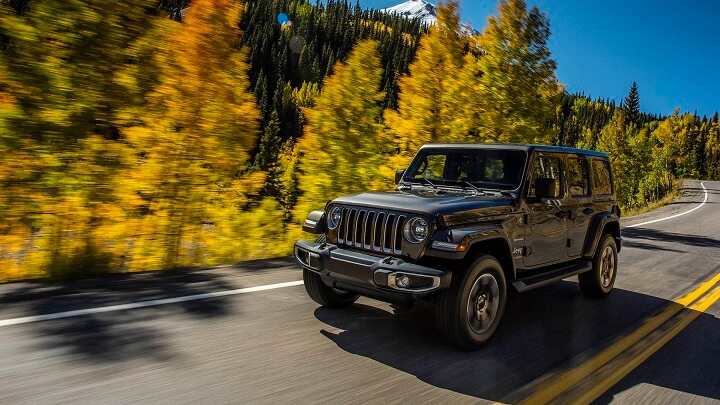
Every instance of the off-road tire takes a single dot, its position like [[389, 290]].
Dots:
[[598, 282], [457, 312]]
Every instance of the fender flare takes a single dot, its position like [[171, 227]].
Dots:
[[600, 222], [464, 239]]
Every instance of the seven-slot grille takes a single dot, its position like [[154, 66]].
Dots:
[[380, 231]]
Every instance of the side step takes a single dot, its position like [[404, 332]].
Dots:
[[530, 283]]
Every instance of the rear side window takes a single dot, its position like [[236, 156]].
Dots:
[[578, 177], [601, 177], [547, 170]]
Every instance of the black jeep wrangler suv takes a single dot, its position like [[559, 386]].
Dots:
[[467, 222]]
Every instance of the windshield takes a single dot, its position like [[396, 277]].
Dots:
[[483, 168]]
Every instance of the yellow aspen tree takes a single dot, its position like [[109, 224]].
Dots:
[[463, 97], [59, 142], [518, 88], [63, 64], [340, 152], [614, 139], [200, 125], [14, 234], [426, 103]]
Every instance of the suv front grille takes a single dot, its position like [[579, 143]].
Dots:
[[379, 231]]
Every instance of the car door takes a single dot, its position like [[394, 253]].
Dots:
[[545, 228], [579, 206]]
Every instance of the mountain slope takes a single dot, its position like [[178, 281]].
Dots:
[[420, 9], [425, 12]]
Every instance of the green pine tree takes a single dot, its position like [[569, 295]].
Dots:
[[269, 144], [631, 105], [426, 103]]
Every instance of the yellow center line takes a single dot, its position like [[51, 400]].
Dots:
[[564, 381], [705, 287], [653, 346]]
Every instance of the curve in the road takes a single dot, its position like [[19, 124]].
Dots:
[[676, 215]]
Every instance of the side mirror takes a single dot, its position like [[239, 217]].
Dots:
[[545, 187], [399, 175]]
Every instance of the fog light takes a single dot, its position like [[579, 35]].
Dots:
[[402, 281]]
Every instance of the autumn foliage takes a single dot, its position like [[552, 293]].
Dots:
[[136, 137]]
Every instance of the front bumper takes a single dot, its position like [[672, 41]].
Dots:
[[373, 276]]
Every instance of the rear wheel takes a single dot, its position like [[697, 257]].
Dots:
[[468, 313], [598, 282]]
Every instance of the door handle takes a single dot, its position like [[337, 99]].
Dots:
[[569, 214], [588, 211]]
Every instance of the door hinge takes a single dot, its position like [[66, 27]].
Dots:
[[527, 250], [570, 243]]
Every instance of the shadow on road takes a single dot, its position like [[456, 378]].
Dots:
[[268, 265], [542, 330], [700, 190], [118, 335], [646, 238], [648, 246], [686, 203]]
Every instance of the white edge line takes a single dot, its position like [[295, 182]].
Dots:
[[676, 215], [143, 304]]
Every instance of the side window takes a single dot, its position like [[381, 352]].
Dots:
[[578, 178], [546, 173], [601, 177]]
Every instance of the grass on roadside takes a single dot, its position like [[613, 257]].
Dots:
[[677, 192]]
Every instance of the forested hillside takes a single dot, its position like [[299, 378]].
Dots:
[[142, 135], [647, 151]]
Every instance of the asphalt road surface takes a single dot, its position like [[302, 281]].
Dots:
[[274, 345]]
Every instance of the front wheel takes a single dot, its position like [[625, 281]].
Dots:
[[468, 313], [324, 295], [598, 282]]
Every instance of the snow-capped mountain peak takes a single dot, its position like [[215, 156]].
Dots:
[[426, 12]]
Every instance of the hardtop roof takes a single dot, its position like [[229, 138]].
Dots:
[[516, 146]]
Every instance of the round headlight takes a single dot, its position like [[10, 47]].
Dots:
[[416, 230], [334, 216]]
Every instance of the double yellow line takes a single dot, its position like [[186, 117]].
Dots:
[[589, 380]]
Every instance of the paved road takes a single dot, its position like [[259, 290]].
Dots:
[[277, 346]]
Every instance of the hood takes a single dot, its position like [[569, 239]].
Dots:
[[452, 205]]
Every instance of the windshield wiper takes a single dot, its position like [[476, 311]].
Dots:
[[500, 192], [474, 187], [433, 185]]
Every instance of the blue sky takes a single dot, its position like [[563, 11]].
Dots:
[[670, 47]]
